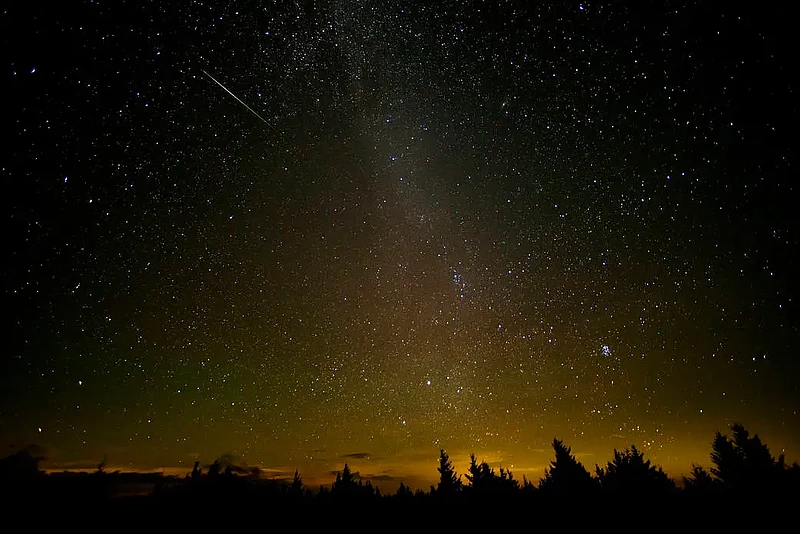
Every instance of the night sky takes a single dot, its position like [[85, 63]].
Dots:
[[474, 225]]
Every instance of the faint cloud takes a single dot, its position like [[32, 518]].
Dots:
[[356, 456], [382, 478], [76, 465], [274, 473]]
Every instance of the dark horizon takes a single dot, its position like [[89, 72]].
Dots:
[[742, 468], [316, 481]]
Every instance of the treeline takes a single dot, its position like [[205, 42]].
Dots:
[[742, 468]]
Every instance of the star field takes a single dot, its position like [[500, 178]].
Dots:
[[469, 225]]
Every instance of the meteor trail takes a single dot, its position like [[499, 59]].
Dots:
[[251, 110]]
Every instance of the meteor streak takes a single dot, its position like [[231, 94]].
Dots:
[[251, 110]]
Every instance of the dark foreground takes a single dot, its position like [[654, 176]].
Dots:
[[236, 502], [746, 489]]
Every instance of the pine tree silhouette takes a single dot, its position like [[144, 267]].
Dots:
[[629, 473], [449, 482], [700, 481], [194, 478], [744, 463], [478, 474], [404, 492], [347, 476], [484, 481], [101, 467], [296, 487], [528, 487], [345, 483], [566, 475], [214, 469], [506, 483]]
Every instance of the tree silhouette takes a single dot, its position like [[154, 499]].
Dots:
[[744, 463], [791, 480], [196, 471], [345, 483], [528, 487], [296, 487], [506, 482], [20, 466], [629, 473], [365, 489], [566, 474], [478, 475], [404, 492], [102, 465], [484, 481], [347, 477], [214, 469], [700, 481], [449, 482]]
